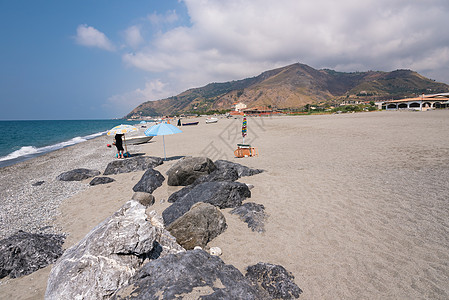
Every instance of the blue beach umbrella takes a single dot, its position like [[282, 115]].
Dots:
[[162, 129]]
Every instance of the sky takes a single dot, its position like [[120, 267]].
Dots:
[[100, 59]]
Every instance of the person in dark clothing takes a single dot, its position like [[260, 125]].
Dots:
[[119, 145]]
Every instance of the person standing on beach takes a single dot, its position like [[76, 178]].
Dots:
[[119, 145]]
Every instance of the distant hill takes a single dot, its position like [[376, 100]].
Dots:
[[293, 87]]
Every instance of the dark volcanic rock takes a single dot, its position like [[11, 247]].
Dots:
[[222, 194], [23, 253], [219, 175], [274, 279], [190, 275], [253, 214], [38, 183], [150, 181], [138, 163], [198, 226], [188, 169], [110, 254], [240, 169], [101, 180], [179, 194], [77, 175]]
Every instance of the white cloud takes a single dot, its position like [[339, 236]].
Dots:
[[133, 37], [91, 37], [124, 103]]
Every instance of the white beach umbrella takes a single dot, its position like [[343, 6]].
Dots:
[[122, 129]]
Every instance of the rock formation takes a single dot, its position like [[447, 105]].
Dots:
[[275, 279], [77, 174], [150, 181], [138, 163], [193, 274], [198, 226], [253, 214], [188, 169], [222, 194], [23, 253], [108, 256], [101, 180]]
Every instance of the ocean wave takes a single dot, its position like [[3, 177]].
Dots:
[[30, 151]]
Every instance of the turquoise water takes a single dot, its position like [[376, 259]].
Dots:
[[21, 140]]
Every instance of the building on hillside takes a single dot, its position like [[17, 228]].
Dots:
[[422, 103], [239, 106]]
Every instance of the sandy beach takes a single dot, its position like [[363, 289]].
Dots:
[[356, 203]]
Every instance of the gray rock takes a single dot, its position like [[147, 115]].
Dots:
[[108, 256], [101, 180], [198, 226], [138, 163], [219, 175], [190, 275], [181, 193], [275, 279], [150, 181], [240, 169], [222, 194], [146, 199], [188, 169], [253, 214], [23, 253], [77, 175]]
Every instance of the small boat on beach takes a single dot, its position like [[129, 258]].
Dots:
[[211, 120], [190, 123], [135, 140]]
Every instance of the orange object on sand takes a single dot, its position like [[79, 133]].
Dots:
[[245, 151]]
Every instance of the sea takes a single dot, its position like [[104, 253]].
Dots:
[[22, 140]]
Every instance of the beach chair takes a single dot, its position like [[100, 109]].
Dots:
[[245, 150]]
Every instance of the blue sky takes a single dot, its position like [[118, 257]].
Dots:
[[100, 59]]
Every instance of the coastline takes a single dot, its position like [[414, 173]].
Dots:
[[356, 203]]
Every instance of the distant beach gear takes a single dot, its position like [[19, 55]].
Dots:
[[244, 128], [122, 129], [162, 129]]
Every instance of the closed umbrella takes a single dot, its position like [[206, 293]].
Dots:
[[162, 129], [122, 129], [244, 129]]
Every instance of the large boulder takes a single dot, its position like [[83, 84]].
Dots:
[[23, 253], [108, 256], [222, 194], [188, 169], [138, 163], [240, 169], [77, 174], [275, 279], [198, 226], [190, 275], [253, 214], [150, 181]]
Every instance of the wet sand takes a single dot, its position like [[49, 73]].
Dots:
[[356, 203]]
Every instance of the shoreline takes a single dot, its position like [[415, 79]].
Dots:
[[356, 203]]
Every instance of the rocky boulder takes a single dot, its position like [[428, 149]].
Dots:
[[108, 256], [190, 275], [275, 279], [150, 181], [138, 163], [77, 174], [101, 180], [188, 169], [23, 253], [253, 214], [222, 194], [240, 169], [198, 226]]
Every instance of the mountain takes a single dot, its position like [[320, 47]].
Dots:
[[293, 87]]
